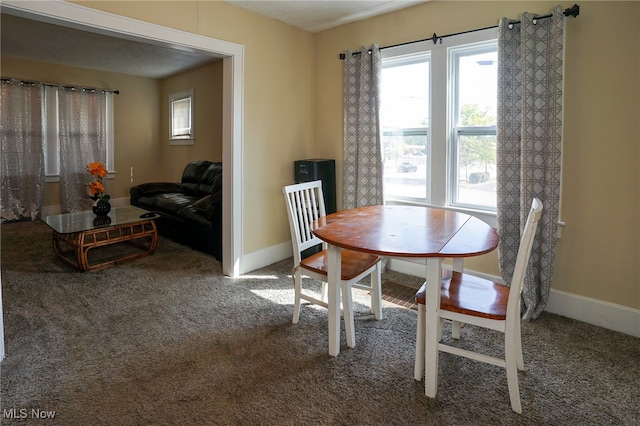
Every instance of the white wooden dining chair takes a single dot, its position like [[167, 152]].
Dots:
[[476, 301], [305, 203]]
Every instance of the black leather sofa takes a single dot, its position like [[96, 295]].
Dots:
[[190, 211]]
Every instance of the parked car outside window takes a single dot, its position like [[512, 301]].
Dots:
[[407, 166]]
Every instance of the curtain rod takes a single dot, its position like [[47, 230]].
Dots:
[[66, 86], [573, 11]]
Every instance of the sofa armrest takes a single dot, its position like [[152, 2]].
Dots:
[[153, 188], [216, 206], [209, 205]]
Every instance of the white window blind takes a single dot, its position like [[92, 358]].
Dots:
[[181, 117]]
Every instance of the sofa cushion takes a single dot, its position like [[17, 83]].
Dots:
[[193, 216], [173, 203], [203, 204], [211, 180], [153, 188], [192, 176], [148, 203], [191, 210]]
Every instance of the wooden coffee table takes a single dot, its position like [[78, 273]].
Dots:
[[76, 234]]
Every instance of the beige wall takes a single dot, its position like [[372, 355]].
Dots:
[[598, 255], [293, 109], [206, 82], [278, 100], [136, 118], [141, 125]]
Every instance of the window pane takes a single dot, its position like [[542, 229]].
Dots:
[[477, 89], [475, 113], [476, 171], [51, 131], [181, 115], [405, 169], [404, 115]]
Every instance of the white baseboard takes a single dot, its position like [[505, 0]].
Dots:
[[597, 312], [592, 311], [418, 269], [268, 256]]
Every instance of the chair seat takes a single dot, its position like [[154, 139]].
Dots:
[[483, 303], [467, 294], [353, 263], [305, 204]]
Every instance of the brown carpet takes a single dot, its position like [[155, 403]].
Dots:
[[168, 340]]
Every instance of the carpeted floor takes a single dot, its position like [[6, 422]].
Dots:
[[167, 340]]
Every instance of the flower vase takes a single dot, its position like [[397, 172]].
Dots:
[[101, 221], [101, 209]]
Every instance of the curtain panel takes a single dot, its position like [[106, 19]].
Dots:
[[529, 137], [363, 169], [22, 157], [83, 139]]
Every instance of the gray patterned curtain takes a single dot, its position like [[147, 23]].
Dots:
[[529, 136], [22, 156], [363, 170], [82, 121]]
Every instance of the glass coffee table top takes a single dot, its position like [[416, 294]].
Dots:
[[67, 223]]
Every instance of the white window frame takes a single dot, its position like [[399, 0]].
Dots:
[[52, 140], [455, 131], [180, 136], [441, 127]]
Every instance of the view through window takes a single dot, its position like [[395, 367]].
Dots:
[[181, 118], [438, 114]]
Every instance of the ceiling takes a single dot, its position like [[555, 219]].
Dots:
[[315, 16], [45, 42]]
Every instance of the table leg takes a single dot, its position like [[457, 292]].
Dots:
[[347, 314], [432, 336], [458, 264], [83, 261], [456, 326], [334, 266]]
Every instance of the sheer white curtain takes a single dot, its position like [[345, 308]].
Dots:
[[529, 135], [83, 139], [363, 169], [22, 150]]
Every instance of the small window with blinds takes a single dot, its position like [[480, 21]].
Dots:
[[181, 118]]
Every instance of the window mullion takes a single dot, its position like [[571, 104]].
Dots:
[[51, 139]]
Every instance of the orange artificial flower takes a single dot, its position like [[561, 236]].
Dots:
[[96, 188], [97, 169]]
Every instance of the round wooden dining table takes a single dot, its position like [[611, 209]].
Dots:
[[406, 232]]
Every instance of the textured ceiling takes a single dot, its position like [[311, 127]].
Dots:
[[314, 16], [45, 42]]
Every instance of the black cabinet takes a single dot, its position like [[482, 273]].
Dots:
[[319, 169]]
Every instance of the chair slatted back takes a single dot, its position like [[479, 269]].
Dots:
[[305, 203], [522, 259]]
